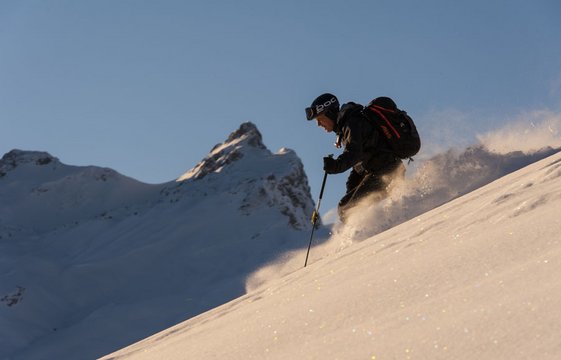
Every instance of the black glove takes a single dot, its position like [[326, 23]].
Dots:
[[330, 165]]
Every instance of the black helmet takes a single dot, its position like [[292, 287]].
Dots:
[[324, 104]]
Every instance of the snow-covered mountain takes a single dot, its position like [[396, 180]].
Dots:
[[91, 260], [476, 278]]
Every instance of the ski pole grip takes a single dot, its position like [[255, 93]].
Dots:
[[315, 217], [324, 179]]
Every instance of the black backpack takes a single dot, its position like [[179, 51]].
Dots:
[[395, 126]]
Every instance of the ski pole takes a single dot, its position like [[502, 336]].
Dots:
[[315, 215]]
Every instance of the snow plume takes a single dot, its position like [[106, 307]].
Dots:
[[434, 181], [528, 133], [451, 174]]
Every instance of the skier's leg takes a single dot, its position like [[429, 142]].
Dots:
[[353, 181]]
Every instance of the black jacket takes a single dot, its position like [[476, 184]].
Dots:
[[365, 150]]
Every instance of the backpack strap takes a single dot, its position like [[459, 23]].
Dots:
[[379, 110]]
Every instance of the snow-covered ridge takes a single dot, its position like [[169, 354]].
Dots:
[[39, 193]]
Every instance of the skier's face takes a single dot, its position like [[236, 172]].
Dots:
[[325, 122]]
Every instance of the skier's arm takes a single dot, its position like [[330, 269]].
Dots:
[[354, 152]]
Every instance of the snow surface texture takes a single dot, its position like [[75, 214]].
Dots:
[[476, 278], [91, 261]]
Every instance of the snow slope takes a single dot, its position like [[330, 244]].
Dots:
[[476, 278], [91, 261]]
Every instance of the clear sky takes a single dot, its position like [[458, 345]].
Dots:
[[149, 87]]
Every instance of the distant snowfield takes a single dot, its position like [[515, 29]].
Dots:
[[476, 278]]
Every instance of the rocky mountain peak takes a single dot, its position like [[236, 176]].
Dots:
[[243, 165], [248, 133], [245, 139], [15, 158]]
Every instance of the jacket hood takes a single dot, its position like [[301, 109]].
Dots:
[[347, 110]]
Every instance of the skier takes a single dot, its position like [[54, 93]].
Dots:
[[374, 165]]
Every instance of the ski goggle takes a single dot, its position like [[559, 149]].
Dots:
[[310, 113], [313, 111]]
